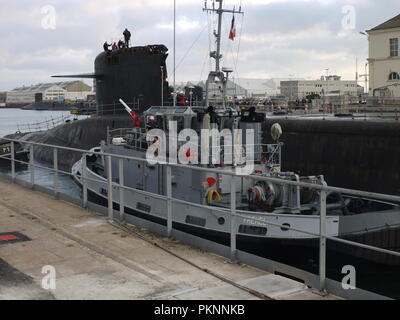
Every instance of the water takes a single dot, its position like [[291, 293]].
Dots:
[[45, 178], [9, 121], [11, 118]]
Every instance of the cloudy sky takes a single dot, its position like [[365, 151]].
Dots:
[[276, 38]]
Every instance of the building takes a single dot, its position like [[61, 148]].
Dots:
[[243, 87], [2, 99], [326, 86], [59, 91], [259, 88], [262, 88], [384, 59]]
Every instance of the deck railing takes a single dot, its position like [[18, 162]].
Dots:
[[46, 124]]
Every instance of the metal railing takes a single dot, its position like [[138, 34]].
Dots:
[[44, 125], [271, 154], [168, 198]]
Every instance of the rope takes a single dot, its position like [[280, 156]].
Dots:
[[190, 48]]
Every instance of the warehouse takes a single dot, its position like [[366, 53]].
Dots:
[[59, 91]]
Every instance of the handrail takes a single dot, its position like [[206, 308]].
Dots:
[[358, 193], [46, 124]]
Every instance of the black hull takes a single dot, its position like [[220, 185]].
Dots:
[[132, 74], [372, 273]]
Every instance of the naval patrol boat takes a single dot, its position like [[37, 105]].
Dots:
[[268, 214]]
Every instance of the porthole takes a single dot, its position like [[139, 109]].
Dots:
[[286, 227], [221, 221]]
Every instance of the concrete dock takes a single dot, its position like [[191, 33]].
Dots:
[[94, 259]]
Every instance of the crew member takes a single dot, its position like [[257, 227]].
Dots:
[[106, 47], [181, 99], [127, 36], [114, 47], [121, 44]]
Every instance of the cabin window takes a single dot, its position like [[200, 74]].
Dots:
[[201, 222], [394, 47], [143, 207], [394, 76], [251, 230]]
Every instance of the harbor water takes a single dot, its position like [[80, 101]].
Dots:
[[13, 120]]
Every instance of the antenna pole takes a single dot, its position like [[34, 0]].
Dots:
[[220, 11], [218, 36], [217, 54]]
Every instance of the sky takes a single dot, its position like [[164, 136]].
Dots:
[[275, 38]]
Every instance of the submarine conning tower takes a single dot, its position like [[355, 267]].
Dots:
[[137, 75]]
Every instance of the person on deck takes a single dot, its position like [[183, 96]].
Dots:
[[127, 36], [114, 47], [106, 47], [121, 44], [181, 99]]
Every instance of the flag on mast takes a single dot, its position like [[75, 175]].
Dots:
[[232, 33]]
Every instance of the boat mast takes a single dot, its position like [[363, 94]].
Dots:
[[217, 54], [174, 93]]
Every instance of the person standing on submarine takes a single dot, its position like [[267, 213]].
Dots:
[[127, 36], [106, 47]]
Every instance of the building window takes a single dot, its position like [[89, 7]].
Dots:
[[394, 47], [394, 76]]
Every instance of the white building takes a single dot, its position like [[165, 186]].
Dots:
[[244, 87], [384, 59], [60, 91], [326, 86], [215, 89]]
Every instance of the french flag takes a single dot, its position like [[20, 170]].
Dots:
[[232, 33]]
